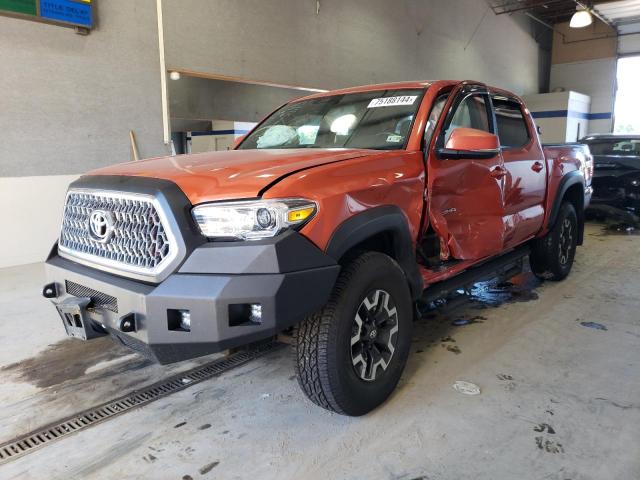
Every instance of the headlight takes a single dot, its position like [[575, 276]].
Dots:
[[252, 220]]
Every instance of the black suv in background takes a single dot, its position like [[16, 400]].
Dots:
[[616, 179]]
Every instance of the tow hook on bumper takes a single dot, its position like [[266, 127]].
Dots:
[[50, 290], [128, 323], [73, 312]]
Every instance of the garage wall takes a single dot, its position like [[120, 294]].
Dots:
[[206, 99], [584, 60], [596, 78], [31, 209], [67, 103], [351, 42]]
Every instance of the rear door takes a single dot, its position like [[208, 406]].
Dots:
[[465, 196], [525, 182]]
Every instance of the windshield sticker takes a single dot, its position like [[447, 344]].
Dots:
[[392, 101], [394, 138]]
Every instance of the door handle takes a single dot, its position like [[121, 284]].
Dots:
[[498, 172], [537, 167]]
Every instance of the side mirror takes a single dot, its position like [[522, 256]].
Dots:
[[237, 142], [470, 143]]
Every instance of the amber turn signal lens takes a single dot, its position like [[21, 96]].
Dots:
[[295, 216]]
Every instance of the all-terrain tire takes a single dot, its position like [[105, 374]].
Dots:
[[552, 256], [369, 289]]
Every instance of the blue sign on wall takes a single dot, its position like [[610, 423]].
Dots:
[[68, 11]]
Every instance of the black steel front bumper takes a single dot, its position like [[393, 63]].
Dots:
[[617, 188], [287, 276]]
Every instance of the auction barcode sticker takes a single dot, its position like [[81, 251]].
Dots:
[[392, 101]]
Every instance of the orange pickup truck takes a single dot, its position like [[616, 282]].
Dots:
[[334, 216]]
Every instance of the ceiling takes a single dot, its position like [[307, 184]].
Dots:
[[620, 14], [623, 14]]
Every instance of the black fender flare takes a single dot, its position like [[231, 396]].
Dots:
[[569, 180], [384, 219]]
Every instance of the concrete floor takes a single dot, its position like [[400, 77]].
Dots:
[[559, 400]]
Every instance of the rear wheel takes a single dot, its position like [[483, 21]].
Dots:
[[552, 256], [351, 354]]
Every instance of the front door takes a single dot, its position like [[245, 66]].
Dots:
[[465, 196]]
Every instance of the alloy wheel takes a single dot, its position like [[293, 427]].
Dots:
[[374, 334], [566, 241]]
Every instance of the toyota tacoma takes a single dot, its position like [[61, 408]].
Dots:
[[333, 216]]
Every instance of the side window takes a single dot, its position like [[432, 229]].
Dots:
[[471, 113], [511, 125], [436, 110]]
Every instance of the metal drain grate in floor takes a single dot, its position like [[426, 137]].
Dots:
[[43, 436]]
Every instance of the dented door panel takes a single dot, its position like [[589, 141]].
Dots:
[[466, 206]]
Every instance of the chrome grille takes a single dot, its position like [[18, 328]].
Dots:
[[137, 239]]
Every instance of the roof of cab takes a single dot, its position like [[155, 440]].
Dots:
[[382, 86]]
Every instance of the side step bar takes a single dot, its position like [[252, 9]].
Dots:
[[506, 265]]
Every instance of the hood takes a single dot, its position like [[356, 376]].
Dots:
[[231, 174]]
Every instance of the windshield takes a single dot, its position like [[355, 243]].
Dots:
[[378, 120], [624, 147]]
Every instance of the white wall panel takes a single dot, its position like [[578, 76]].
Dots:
[[31, 210], [562, 116]]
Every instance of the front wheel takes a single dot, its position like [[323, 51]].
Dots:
[[351, 354], [552, 256]]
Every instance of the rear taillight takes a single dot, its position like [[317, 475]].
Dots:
[[589, 169]]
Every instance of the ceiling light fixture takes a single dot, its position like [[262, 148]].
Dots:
[[581, 18]]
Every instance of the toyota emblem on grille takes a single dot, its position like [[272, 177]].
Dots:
[[101, 225]]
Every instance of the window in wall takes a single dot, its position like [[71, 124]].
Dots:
[[511, 125]]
